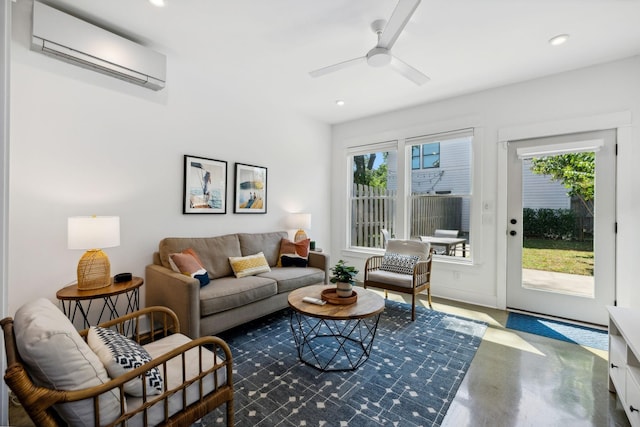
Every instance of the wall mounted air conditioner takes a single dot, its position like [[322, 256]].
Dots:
[[70, 39]]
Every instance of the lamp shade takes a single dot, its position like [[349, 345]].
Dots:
[[301, 221], [93, 232]]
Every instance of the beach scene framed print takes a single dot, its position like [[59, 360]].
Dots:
[[250, 195], [205, 186]]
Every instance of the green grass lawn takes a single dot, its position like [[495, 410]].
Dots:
[[558, 255]]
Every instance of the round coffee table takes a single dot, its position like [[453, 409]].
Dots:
[[334, 337]]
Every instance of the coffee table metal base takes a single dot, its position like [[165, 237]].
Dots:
[[333, 345]]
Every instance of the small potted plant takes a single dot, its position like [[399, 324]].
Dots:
[[344, 278]]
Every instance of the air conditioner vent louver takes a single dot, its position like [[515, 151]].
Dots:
[[75, 41]]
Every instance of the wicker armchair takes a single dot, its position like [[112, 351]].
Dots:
[[405, 268], [178, 405]]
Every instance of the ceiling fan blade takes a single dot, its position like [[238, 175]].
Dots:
[[408, 71], [335, 67], [399, 18]]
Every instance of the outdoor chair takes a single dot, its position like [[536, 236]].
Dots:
[[405, 267], [385, 236]]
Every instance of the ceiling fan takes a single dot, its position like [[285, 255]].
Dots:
[[380, 55]]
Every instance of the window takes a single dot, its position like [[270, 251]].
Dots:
[[436, 193], [373, 195], [430, 155], [415, 157], [440, 192]]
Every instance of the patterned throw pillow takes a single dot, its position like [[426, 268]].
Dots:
[[120, 355], [397, 263], [249, 265], [189, 264], [293, 253]]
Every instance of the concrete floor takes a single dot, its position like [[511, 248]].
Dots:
[[518, 379]]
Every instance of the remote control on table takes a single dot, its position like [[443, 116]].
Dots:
[[314, 300]]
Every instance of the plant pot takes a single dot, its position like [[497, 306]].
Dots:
[[344, 290]]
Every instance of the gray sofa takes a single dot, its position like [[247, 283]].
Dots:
[[226, 301]]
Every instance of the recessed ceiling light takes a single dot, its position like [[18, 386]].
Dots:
[[158, 3], [559, 39], [339, 102]]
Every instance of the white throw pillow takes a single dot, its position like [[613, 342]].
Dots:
[[120, 355], [58, 358]]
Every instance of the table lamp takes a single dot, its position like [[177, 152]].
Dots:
[[301, 221], [93, 233]]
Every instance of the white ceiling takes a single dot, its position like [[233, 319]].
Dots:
[[265, 48]]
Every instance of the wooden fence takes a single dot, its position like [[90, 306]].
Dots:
[[373, 209], [430, 212]]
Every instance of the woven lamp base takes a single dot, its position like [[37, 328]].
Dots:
[[94, 270], [300, 235]]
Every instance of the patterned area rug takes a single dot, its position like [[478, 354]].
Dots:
[[577, 334], [412, 374]]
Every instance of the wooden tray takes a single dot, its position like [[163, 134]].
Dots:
[[330, 296]]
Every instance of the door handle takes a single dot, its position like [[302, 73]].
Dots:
[[513, 232]]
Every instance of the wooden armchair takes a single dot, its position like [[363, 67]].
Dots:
[[192, 387], [405, 268]]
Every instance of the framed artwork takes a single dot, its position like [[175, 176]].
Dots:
[[250, 195], [205, 186]]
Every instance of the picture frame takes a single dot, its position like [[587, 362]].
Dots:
[[205, 186], [250, 191]]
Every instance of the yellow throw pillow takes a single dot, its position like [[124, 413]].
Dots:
[[249, 265]]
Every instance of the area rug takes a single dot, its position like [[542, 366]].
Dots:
[[577, 334], [410, 379]]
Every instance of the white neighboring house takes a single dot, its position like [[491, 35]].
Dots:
[[453, 176], [539, 191]]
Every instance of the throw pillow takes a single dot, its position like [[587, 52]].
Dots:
[[120, 355], [249, 265], [397, 263], [57, 357], [292, 250], [189, 265]]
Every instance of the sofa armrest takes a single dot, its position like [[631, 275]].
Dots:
[[180, 293], [320, 260]]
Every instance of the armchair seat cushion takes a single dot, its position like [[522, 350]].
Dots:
[[174, 378], [398, 279]]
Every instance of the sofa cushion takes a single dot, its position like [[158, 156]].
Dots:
[[189, 265], [57, 357], [214, 252], [249, 265], [267, 243], [120, 355], [289, 279], [226, 293], [293, 253]]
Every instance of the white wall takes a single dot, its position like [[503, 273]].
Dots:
[[597, 90], [83, 143]]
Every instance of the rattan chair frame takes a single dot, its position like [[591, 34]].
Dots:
[[38, 401]]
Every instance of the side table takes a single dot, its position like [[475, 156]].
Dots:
[[71, 298]]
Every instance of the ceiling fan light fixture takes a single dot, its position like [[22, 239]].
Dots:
[[559, 39], [378, 57]]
